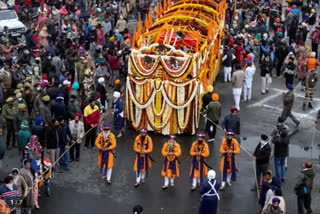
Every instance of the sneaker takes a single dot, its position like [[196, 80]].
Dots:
[[310, 105], [164, 187], [137, 185]]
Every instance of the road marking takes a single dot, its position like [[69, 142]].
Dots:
[[264, 100], [278, 92]]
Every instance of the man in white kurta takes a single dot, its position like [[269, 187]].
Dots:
[[248, 78]]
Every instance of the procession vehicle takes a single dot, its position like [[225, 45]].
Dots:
[[175, 56]]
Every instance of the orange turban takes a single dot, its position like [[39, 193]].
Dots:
[[215, 96]]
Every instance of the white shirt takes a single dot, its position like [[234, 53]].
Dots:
[[248, 75]]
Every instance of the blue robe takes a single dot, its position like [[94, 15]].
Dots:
[[118, 118], [209, 204]]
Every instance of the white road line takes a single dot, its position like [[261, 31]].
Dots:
[[264, 100], [296, 114]]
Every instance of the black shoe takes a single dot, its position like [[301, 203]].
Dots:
[[71, 160], [310, 105], [283, 179], [304, 106], [297, 124], [77, 159]]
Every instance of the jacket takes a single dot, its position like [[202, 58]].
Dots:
[[262, 154], [59, 110], [281, 146], [23, 138], [266, 67], [53, 137], [271, 210], [305, 179], [213, 111], [80, 130], [237, 79], [19, 117], [231, 122], [39, 131], [288, 99], [91, 115], [8, 112], [11, 197], [45, 113]]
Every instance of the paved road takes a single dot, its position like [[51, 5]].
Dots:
[[81, 189]]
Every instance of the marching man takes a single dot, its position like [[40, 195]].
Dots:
[[171, 151], [229, 147], [199, 150], [106, 142], [142, 146]]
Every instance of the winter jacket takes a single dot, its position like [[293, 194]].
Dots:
[[231, 122], [288, 99], [213, 111], [262, 154], [23, 138], [8, 112], [54, 135], [305, 179], [59, 110], [19, 117], [45, 113], [11, 197], [281, 146], [266, 67], [80, 130], [271, 210], [39, 131], [73, 107]]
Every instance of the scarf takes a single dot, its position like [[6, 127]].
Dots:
[[142, 161], [172, 165], [227, 166], [196, 166]]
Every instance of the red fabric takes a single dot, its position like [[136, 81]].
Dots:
[[113, 62], [28, 3], [93, 118], [239, 50]]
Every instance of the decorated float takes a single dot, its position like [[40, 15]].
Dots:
[[175, 56]]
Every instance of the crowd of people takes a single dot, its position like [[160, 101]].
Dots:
[[53, 96]]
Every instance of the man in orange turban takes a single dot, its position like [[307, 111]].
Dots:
[[199, 151], [142, 146], [170, 169], [228, 148], [213, 112], [106, 142]]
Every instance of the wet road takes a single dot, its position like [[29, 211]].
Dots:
[[82, 191]]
